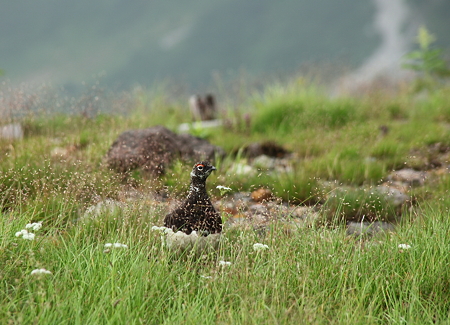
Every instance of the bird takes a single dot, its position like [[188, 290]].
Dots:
[[195, 223]]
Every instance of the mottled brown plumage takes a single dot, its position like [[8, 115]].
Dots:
[[197, 212]]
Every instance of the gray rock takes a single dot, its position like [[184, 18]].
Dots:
[[368, 228], [13, 131], [396, 197], [408, 176]]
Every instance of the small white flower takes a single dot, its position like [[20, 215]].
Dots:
[[115, 245], [29, 236], [206, 276], [22, 232], [41, 271], [34, 225], [25, 234], [223, 189], [224, 263], [260, 247], [404, 246], [220, 187]]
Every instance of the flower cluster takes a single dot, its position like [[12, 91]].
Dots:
[[404, 246], [35, 225], [224, 263], [223, 189], [25, 234], [260, 247], [115, 245], [40, 271]]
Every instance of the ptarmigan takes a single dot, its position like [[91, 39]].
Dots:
[[195, 223]]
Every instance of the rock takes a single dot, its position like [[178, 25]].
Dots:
[[261, 195], [241, 169], [110, 207], [280, 165], [63, 152], [408, 176], [395, 196], [368, 228], [264, 162], [268, 148], [203, 108], [193, 148], [153, 149], [13, 131]]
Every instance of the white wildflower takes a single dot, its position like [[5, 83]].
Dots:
[[223, 189], [224, 263], [115, 245], [404, 246], [29, 236], [41, 271], [206, 276], [220, 187], [34, 225], [260, 247], [20, 233], [25, 234]]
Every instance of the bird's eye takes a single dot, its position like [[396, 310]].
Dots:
[[200, 167]]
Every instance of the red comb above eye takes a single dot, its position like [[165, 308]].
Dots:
[[199, 165]]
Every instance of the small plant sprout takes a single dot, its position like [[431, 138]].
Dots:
[[25, 234], [40, 271], [223, 189], [224, 263], [404, 246], [260, 247], [115, 245]]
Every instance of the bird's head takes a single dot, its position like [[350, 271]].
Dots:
[[202, 170]]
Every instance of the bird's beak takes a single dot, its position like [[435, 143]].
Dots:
[[213, 168]]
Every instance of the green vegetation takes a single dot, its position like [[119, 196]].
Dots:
[[313, 274], [427, 61]]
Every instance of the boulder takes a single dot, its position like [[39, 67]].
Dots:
[[153, 149], [267, 148]]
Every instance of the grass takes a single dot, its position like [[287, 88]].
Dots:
[[314, 274], [311, 275]]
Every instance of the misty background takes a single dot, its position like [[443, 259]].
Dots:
[[126, 43]]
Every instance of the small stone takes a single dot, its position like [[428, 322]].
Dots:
[[261, 194], [408, 176], [265, 162]]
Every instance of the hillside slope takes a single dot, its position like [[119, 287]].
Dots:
[[143, 42]]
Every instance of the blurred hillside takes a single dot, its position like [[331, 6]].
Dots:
[[129, 42]]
